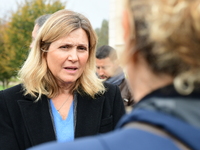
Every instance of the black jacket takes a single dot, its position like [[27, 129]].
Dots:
[[25, 123]]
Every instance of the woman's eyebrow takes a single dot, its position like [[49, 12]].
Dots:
[[82, 45], [70, 44]]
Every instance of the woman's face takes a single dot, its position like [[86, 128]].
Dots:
[[67, 57]]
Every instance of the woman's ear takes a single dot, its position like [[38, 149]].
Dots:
[[126, 24]]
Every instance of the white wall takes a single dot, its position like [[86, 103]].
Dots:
[[115, 24]]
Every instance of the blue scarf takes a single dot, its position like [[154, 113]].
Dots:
[[117, 80]]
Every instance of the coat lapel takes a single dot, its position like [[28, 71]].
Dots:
[[37, 120], [89, 113]]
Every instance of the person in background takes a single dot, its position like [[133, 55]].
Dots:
[[60, 98], [37, 25], [108, 69], [162, 39]]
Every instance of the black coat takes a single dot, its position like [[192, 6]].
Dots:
[[25, 123]]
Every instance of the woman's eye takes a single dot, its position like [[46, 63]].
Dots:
[[65, 46], [82, 48]]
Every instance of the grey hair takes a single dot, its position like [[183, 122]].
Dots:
[[41, 20]]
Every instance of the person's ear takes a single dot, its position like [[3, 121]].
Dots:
[[126, 24]]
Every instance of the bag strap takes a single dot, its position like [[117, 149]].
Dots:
[[158, 131]]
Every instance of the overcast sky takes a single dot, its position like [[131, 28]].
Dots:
[[94, 10]]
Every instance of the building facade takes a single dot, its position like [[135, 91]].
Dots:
[[115, 24]]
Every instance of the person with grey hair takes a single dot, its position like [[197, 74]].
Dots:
[[37, 25]]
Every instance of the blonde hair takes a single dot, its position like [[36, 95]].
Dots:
[[35, 76], [167, 34]]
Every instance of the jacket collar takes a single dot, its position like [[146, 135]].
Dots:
[[41, 130], [168, 109], [36, 117], [176, 127], [37, 120], [88, 109], [168, 101]]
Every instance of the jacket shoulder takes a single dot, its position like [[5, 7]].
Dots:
[[115, 141], [110, 86], [111, 89], [12, 92], [15, 88]]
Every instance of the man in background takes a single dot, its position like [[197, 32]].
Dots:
[[38, 24], [109, 69]]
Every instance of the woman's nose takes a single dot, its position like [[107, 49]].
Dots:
[[73, 56]]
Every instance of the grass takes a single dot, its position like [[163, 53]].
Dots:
[[12, 82], [1, 88], [10, 85]]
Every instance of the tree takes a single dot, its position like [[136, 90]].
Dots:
[[102, 34], [17, 37], [5, 69]]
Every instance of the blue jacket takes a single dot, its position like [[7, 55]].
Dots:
[[176, 114]]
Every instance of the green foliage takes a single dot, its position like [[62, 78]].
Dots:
[[16, 36], [102, 34], [5, 68]]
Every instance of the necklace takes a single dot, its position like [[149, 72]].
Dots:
[[63, 104]]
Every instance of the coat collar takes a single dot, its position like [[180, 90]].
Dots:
[[88, 109], [39, 124], [37, 119]]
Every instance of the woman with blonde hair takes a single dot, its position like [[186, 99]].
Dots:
[[60, 97], [162, 59]]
